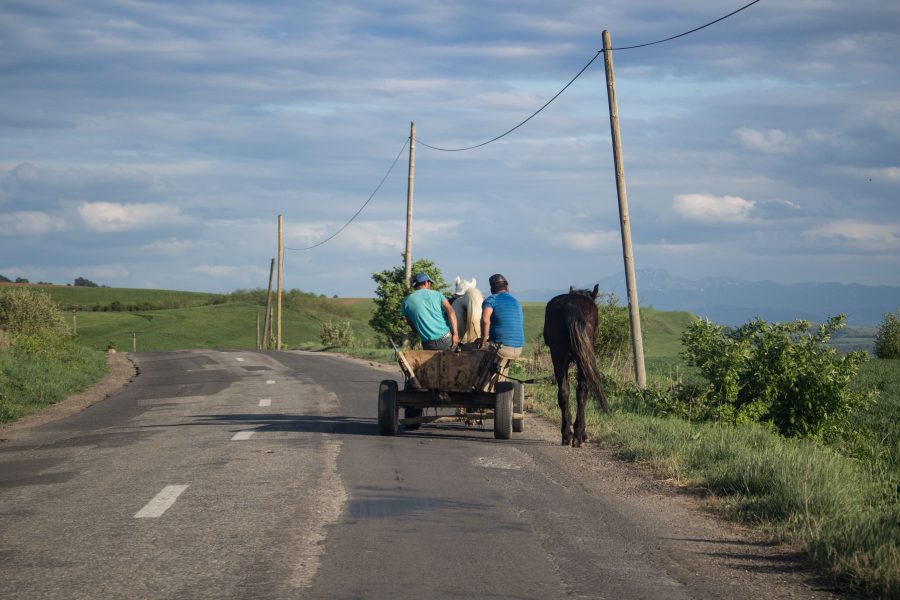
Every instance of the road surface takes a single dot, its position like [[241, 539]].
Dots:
[[262, 475]]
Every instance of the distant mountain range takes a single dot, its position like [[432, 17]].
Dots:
[[734, 301]]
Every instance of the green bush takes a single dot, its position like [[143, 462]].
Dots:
[[392, 289], [887, 338], [337, 334], [25, 311], [613, 343], [782, 374]]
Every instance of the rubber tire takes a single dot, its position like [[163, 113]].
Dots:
[[387, 407], [503, 408], [518, 425]]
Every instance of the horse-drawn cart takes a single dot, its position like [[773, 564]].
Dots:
[[468, 381]]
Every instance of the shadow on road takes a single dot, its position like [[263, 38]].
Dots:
[[343, 425]]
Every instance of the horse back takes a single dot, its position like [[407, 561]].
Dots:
[[564, 310]]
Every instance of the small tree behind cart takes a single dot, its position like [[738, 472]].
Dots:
[[466, 380]]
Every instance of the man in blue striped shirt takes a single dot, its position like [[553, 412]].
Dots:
[[501, 320]]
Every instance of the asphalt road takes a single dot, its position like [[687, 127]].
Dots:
[[255, 475]]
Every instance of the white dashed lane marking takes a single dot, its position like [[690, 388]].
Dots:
[[265, 402], [161, 502], [243, 435], [270, 381], [239, 359]]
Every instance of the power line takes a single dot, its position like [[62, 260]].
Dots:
[[668, 39], [599, 52], [534, 114], [356, 214]]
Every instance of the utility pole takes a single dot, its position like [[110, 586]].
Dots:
[[280, 270], [74, 320], [634, 313], [407, 257], [267, 324]]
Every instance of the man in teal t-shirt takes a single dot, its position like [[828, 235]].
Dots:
[[423, 311]]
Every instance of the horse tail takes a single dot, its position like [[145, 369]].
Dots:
[[582, 346]]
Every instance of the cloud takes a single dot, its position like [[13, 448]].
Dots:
[[27, 222], [713, 209], [215, 270], [764, 140], [588, 241], [859, 234], [111, 217], [171, 246]]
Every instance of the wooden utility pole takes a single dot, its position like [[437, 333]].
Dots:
[[634, 313], [74, 320], [407, 257], [267, 325], [280, 271]]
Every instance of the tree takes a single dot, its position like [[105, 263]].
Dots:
[[21, 280], [887, 338], [82, 282], [392, 289]]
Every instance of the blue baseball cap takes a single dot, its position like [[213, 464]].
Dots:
[[421, 278]]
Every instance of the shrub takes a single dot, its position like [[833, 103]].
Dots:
[[25, 311], [337, 333], [392, 289], [783, 374], [887, 338], [613, 343]]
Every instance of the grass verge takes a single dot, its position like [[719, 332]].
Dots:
[[38, 372], [838, 509]]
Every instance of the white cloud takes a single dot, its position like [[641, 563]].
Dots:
[[709, 208], [111, 216], [215, 270], [588, 241], [170, 246], [30, 223], [764, 140], [859, 234]]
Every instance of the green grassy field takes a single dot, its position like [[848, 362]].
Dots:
[[99, 298], [230, 325]]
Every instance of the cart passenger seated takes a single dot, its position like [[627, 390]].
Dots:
[[502, 324]]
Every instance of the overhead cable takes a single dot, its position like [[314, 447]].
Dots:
[[534, 114], [668, 39], [356, 214], [599, 52]]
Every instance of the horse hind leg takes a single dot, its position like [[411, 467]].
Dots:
[[581, 394], [562, 398]]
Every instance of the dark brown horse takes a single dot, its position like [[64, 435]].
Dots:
[[570, 327]]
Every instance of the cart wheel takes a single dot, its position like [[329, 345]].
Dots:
[[518, 425], [503, 409], [387, 407]]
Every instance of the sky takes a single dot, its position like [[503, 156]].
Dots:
[[153, 144]]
